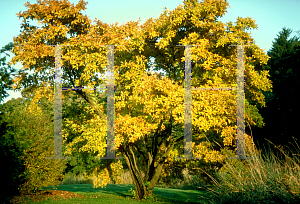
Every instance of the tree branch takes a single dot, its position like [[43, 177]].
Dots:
[[87, 99], [142, 153], [138, 172]]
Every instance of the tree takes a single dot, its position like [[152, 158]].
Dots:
[[148, 110], [32, 136], [5, 71], [281, 107]]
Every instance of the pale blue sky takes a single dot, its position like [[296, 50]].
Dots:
[[270, 15]]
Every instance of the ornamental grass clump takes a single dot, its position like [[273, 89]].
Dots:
[[264, 179]]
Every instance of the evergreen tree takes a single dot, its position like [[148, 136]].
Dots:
[[281, 111]]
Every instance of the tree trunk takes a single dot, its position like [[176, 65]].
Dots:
[[143, 185], [140, 187]]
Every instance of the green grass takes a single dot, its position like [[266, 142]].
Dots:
[[119, 193]]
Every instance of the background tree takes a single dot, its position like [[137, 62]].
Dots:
[[9, 151], [281, 109], [148, 110], [5, 72]]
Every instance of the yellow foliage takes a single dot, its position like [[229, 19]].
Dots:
[[101, 177], [142, 102], [228, 134]]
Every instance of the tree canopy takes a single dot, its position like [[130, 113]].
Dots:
[[148, 110], [5, 71]]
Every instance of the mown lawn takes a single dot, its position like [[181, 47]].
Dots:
[[120, 193]]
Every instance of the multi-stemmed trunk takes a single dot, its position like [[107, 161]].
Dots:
[[143, 184], [152, 158]]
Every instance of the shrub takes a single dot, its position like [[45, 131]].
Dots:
[[13, 167], [33, 135]]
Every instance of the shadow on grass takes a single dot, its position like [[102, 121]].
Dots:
[[163, 195]]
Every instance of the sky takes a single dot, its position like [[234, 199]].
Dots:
[[270, 15]]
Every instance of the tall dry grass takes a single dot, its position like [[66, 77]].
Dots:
[[264, 179]]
